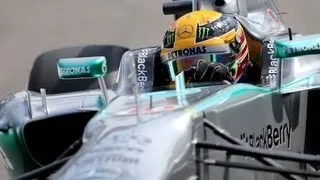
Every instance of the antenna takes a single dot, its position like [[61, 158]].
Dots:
[[290, 34]]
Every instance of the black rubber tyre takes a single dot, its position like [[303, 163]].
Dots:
[[44, 72]]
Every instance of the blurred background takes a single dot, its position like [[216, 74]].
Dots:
[[28, 28]]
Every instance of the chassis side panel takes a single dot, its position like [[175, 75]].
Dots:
[[264, 121]]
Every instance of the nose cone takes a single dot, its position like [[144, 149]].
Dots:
[[150, 150]]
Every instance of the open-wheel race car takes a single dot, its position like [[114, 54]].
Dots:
[[88, 118]]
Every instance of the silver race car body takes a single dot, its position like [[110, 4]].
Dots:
[[210, 132]]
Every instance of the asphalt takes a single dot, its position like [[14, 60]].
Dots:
[[28, 28]]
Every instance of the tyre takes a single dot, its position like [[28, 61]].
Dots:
[[44, 72]]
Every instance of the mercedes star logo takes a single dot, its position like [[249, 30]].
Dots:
[[185, 31]]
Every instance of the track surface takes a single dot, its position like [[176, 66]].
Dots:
[[28, 28]]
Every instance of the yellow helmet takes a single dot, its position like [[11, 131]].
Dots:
[[206, 35]]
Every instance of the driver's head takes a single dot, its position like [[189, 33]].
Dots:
[[205, 35]]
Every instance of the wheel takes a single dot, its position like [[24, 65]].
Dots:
[[44, 72]]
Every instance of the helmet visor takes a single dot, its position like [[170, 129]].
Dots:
[[187, 64]]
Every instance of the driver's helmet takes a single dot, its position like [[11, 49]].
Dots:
[[205, 35]]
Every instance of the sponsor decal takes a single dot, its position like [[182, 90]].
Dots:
[[141, 68], [185, 31], [169, 39], [302, 48], [203, 32], [269, 137], [130, 138], [273, 65], [125, 148], [120, 148], [187, 52], [131, 149], [84, 67], [67, 71], [215, 28], [113, 158]]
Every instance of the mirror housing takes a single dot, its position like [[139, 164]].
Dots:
[[298, 62], [299, 46], [85, 68]]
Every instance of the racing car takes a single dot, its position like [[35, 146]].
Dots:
[[89, 124]]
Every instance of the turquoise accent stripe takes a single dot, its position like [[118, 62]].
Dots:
[[309, 78], [171, 70], [180, 82], [171, 93], [180, 86], [233, 91], [100, 102], [296, 86]]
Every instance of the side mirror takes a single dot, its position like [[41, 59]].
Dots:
[[84, 68], [299, 46], [298, 65]]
